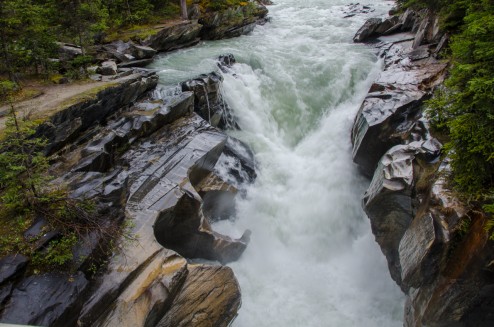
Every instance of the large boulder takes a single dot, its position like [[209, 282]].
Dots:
[[389, 200], [209, 297], [67, 124], [174, 36], [208, 100], [367, 30], [107, 68], [149, 295], [51, 299], [232, 22], [394, 103], [142, 52]]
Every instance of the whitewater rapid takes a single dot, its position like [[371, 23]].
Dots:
[[299, 81]]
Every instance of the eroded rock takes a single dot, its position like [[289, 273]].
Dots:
[[394, 104], [232, 22], [210, 297], [66, 125], [10, 266], [50, 299], [107, 68]]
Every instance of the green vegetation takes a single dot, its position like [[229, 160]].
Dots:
[[464, 108], [26, 194], [30, 29]]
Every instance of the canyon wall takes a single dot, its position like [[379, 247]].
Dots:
[[437, 248]]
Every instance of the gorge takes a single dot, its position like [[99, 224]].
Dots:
[[286, 177]]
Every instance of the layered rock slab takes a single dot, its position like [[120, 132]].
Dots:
[[210, 297], [393, 104]]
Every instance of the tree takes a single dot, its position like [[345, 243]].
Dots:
[[183, 10], [465, 108], [26, 39]]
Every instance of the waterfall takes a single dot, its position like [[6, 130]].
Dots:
[[295, 90]]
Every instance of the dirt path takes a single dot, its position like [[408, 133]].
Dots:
[[52, 96]]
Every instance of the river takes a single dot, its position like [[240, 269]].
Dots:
[[299, 81]]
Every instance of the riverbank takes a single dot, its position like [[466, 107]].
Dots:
[[437, 246]]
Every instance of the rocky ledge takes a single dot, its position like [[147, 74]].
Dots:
[[437, 249], [151, 161], [140, 47]]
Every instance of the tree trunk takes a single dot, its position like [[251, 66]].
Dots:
[[183, 10]]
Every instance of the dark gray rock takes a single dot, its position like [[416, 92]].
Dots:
[[356, 9], [367, 30], [66, 125], [107, 68], [226, 61], [135, 63], [142, 52], [208, 100], [232, 22], [428, 31], [68, 51], [236, 165], [418, 252], [393, 105], [174, 36], [11, 266], [46, 300]]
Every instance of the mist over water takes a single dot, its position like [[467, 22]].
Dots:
[[312, 259]]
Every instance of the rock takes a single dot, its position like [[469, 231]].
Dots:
[[388, 204], [11, 266], [174, 36], [142, 52], [356, 9], [418, 252], [232, 22], [100, 161], [68, 52], [226, 61], [135, 63], [149, 296], [437, 250], [218, 198], [394, 104], [208, 101], [428, 31], [164, 207], [107, 68], [386, 25], [209, 297], [64, 126], [165, 190], [408, 20], [367, 30], [48, 299], [236, 165]]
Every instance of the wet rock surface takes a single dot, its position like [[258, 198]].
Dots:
[[233, 21], [210, 297], [152, 161], [208, 100], [394, 102], [174, 36], [45, 300], [437, 249], [66, 125]]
